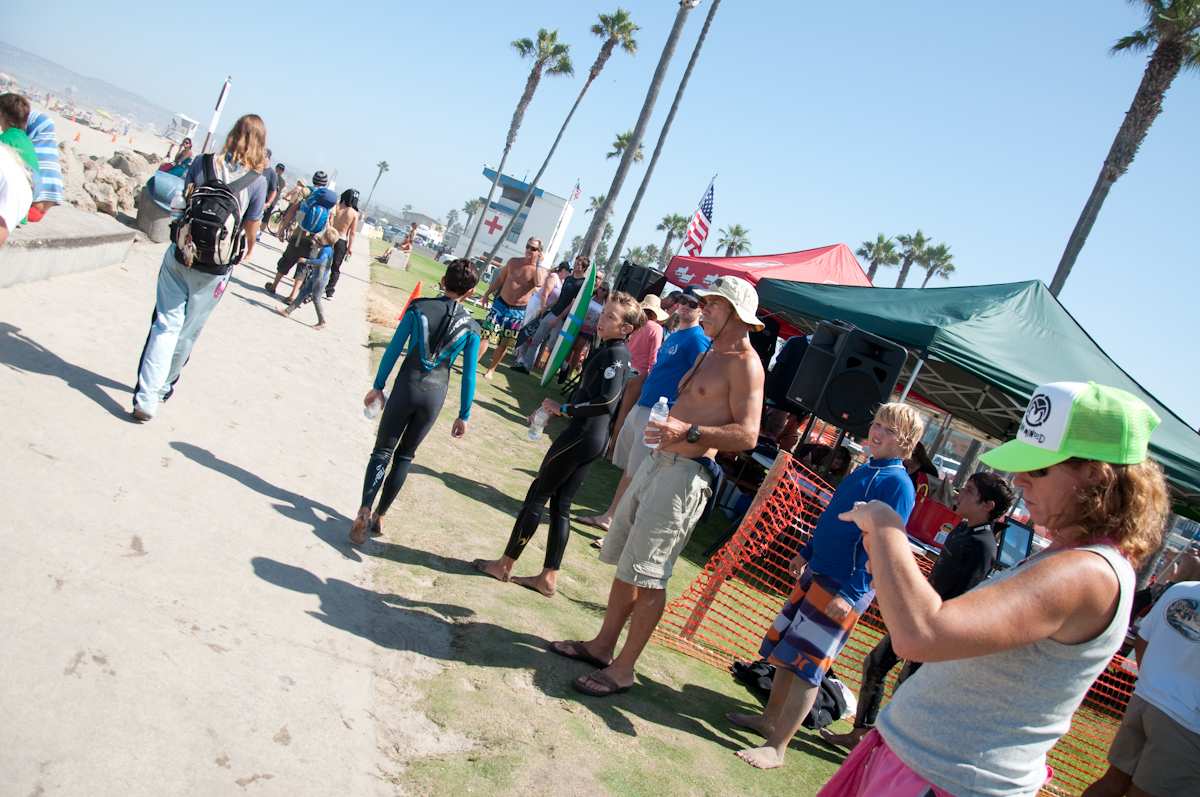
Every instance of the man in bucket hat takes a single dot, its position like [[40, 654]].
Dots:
[[718, 409]]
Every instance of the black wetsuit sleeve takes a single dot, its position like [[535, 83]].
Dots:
[[604, 391]]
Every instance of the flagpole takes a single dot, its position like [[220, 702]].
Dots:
[[683, 238]]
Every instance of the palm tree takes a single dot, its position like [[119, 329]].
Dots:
[[550, 56], [620, 143], [639, 128], [636, 255], [602, 247], [937, 261], [383, 167], [666, 128], [1173, 29], [736, 240], [576, 243], [880, 252], [617, 30], [653, 256], [914, 249], [594, 203], [451, 218], [676, 227], [471, 207]]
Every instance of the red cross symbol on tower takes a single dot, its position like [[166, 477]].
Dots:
[[493, 224]]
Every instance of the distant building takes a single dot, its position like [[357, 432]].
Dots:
[[546, 218]]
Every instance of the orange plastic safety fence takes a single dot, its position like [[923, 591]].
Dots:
[[724, 613]]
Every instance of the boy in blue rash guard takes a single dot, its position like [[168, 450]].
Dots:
[[316, 275], [436, 332], [833, 586]]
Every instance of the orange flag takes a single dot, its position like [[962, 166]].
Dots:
[[416, 294]]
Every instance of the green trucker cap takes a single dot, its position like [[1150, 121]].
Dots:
[[1077, 419]]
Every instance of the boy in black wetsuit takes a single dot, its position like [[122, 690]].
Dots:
[[591, 410], [436, 331]]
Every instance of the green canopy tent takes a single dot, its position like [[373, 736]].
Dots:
[[978, 352]]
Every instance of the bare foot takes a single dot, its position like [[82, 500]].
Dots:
[[595, 521], [751, 722], [538, 584], [847, 740], [283, 311], [318, 326], [358, 531], [488, 375], [491, 567], [761, 757]]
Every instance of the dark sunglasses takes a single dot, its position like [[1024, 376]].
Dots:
[[534, 248], [688, 301]]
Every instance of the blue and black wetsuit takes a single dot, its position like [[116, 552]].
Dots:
[[436, 331], [591, 409]]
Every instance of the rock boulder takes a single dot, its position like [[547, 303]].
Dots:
[[105, 197], [130, 163]]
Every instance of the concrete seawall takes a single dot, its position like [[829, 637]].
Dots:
[[66, 240]]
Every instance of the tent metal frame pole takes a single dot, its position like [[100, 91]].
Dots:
[[912, 378]]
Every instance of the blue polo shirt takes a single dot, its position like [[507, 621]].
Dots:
[[677, 354], [836, 549]]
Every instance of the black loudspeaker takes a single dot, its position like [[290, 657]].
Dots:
[[779, 378], [639, 280], [846, 374]]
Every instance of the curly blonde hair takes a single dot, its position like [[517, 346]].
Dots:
[[631, 309], [1127, 506], [247, 142]]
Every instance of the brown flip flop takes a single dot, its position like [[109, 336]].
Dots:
[[608, 687], [574, 649]]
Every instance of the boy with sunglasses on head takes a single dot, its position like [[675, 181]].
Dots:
[[512, 288]]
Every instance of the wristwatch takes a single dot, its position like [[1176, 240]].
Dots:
[[693, 434]]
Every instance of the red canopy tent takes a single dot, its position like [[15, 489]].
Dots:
[[828, 265]]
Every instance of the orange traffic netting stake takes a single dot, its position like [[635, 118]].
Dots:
[[723, 615]]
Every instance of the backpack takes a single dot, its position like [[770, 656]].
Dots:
[[316, 210], [208, 235], [833, 700]]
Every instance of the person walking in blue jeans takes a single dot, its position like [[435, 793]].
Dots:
[[186, 296]]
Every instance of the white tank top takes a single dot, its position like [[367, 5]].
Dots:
[[981, 727]]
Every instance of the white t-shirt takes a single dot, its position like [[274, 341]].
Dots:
[[16, 193], [1170, 673]]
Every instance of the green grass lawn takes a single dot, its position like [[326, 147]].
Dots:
[[528, 730]]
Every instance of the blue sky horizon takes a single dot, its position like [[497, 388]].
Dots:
[[984, 129]]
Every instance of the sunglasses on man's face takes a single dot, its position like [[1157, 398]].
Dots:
[[689, 302], [532, 247]]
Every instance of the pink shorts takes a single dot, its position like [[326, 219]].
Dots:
[[873, 770]]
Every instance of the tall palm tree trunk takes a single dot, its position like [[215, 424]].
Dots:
[[371, 194], [662, 138], [592, 238], [531, 84], [664, 257], [904, 268], [928, 277], [533, 185], [1146, 106]]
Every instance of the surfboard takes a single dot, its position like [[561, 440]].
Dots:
[[572, 326]]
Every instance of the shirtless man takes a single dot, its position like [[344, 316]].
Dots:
[[512, 286], [406, 245], [719, 405], [345, 221]]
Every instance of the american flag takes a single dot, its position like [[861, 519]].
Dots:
[[575, 193], [697, 230]]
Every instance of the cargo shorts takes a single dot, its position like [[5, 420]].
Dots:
[[655, 519]]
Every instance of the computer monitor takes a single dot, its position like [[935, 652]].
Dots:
[[1016, 543]]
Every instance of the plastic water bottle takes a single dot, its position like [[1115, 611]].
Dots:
[[372, 410], [538, 423], [658, 413]]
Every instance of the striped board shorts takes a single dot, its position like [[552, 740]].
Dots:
[[503, 320], [803, 639]]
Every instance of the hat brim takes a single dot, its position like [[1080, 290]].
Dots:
[[1017, 457], [749, 319], [657, 312]]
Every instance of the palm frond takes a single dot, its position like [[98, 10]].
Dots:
[[1137, 41], [524, 47]]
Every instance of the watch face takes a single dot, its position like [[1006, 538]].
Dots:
[[693, 434]]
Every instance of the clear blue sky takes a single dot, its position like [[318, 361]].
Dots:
[[984, 125]]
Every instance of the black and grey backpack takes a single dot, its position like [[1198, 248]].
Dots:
[[209, 236]]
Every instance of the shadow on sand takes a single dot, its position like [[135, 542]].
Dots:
[[26, 355]]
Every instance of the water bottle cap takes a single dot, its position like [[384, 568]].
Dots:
[[663, 400]]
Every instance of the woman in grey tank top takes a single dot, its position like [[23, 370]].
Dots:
[[1008, 663]]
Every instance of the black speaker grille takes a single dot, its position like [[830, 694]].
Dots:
[[845, 394]]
